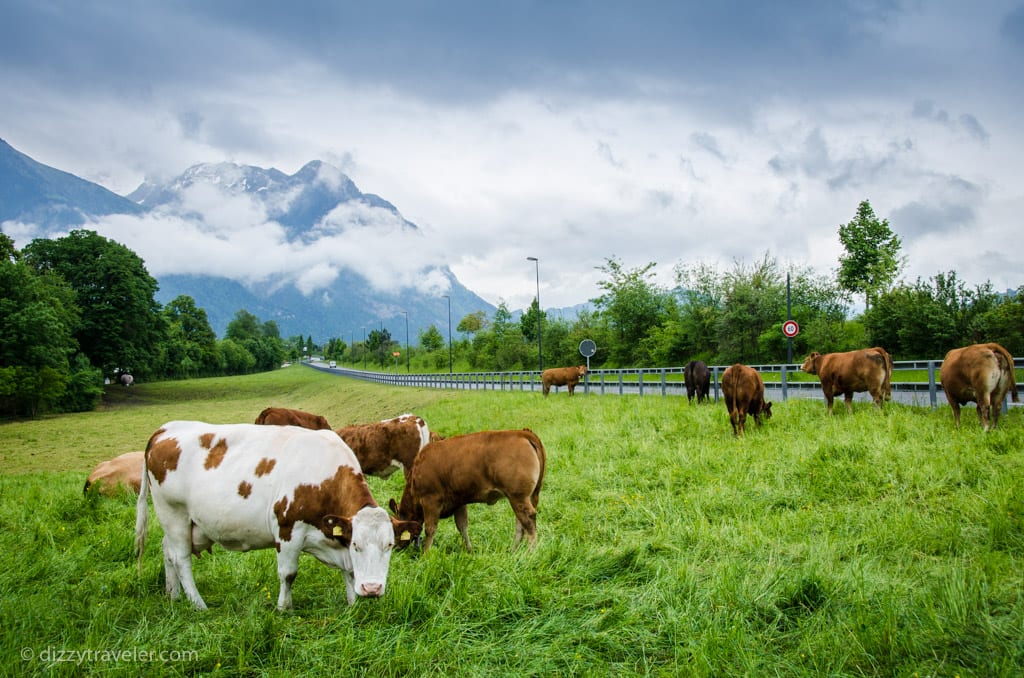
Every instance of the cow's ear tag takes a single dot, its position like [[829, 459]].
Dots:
[[337, 531], [405, 536]]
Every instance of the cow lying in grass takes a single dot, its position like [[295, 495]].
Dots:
[[283, 416]]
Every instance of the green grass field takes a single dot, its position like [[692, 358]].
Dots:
[[872, 544]]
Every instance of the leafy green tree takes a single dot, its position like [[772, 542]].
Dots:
[[1004, 324], [473, 323], [431, 340], [121, 326], [632, 304], [378, 343], [754, 303], [235, 358], [528, 322], [38, 318], [872, 259], [702, 298], [191, 345], [926, 319], [244, 327]]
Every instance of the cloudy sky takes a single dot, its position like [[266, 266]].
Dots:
[[568, 130]]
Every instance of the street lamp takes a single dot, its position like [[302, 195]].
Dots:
[[540, 353], [352, 346], [407, 369], [364, 349], [448, 297]]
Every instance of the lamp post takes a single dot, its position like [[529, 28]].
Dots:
[[407, 368], [364, 349], [352, 346], [540, 353], [448, 297]]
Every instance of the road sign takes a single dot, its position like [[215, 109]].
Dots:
[[790, 328], [396, 353], [587, 348]]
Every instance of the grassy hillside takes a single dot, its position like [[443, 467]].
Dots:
[[872, 544]]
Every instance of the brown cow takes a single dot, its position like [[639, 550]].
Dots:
[[384, 446], [982, 373], [850, 372], [562, 376], [697, 378], [109, 477], [283, 416], [887, 386], [743, 390], [476, 468]]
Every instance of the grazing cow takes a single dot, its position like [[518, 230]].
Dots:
[[562, 376], [475, 468], [743, 390], [887, 386], [282, 416], [698, 380], [982, 373], [850, 372], [124, 471], [249, 487], [384, 446], [127, 379]]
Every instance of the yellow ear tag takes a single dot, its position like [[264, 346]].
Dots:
[[405, 536], [338, 531]]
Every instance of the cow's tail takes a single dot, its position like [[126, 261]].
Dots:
[[142, 509], [1007, 366], [542, 457]]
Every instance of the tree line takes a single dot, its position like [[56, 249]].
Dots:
[[80, 309]]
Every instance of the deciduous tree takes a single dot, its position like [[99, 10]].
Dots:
[[872, 259]]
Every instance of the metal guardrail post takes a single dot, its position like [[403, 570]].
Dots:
[[932, 390], [714, 372]]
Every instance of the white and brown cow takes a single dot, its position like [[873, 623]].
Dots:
[[982, 373], [248, 487], [117, 474], [743, 392], [475, 468], [382, 447], [284, 416], [562, 376], [851, 372]]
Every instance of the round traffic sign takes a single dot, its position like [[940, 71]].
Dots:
[[588, 348], [790, 328]]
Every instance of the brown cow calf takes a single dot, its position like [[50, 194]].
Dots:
[[283, 416], [743, 390], [982, 373], [851, 372], [382, 447], [476, 468], [124, 471], [562, 376]]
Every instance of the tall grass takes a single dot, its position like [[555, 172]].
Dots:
[[871, 544]]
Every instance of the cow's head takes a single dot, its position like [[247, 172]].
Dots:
[[370, 536], [581, 370], [766, 410], [811, 363]]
